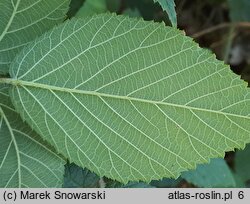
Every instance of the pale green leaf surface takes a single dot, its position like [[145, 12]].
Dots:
[[23, 20], [25, 160], [91, 7], [129, 99], [213, 175], [169, 7], [242, 163]]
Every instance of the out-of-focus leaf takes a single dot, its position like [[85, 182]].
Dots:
[[132, 12], [77, 177], [113, 5], [147, 8], [239, 183], [239, 10], [214, 174], [115, 184], [91, 7], [137, 185], [242, 163], [166, 183], [74, 7], [169, 7]]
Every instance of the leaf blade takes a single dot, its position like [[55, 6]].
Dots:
[[115, 105], [25, 160], [22, 21]]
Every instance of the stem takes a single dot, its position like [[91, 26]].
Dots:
[[220, 26], [229, 43], [9, 81]]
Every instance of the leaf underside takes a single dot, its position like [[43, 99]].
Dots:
[[25, 160], [129, 99], [23, 20]]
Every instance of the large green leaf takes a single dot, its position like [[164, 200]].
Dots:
[[213, 175], [169, 7], [129, 99], [25, 160], [23, 20], [239, 10]]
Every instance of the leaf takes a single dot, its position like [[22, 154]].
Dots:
[[22, 21], [137, 185], [113, 5], [91, 7], [166, 183], [239, 183], [25, 160], [169, 7], [77, 177], [115, 184], [239, 10], [134, 13], [74, 7], [213, 175], [129, 99], [242, 163]]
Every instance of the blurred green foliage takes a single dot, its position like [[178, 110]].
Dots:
[[239, 10]]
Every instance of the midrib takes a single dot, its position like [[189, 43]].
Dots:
[[16, 82]]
